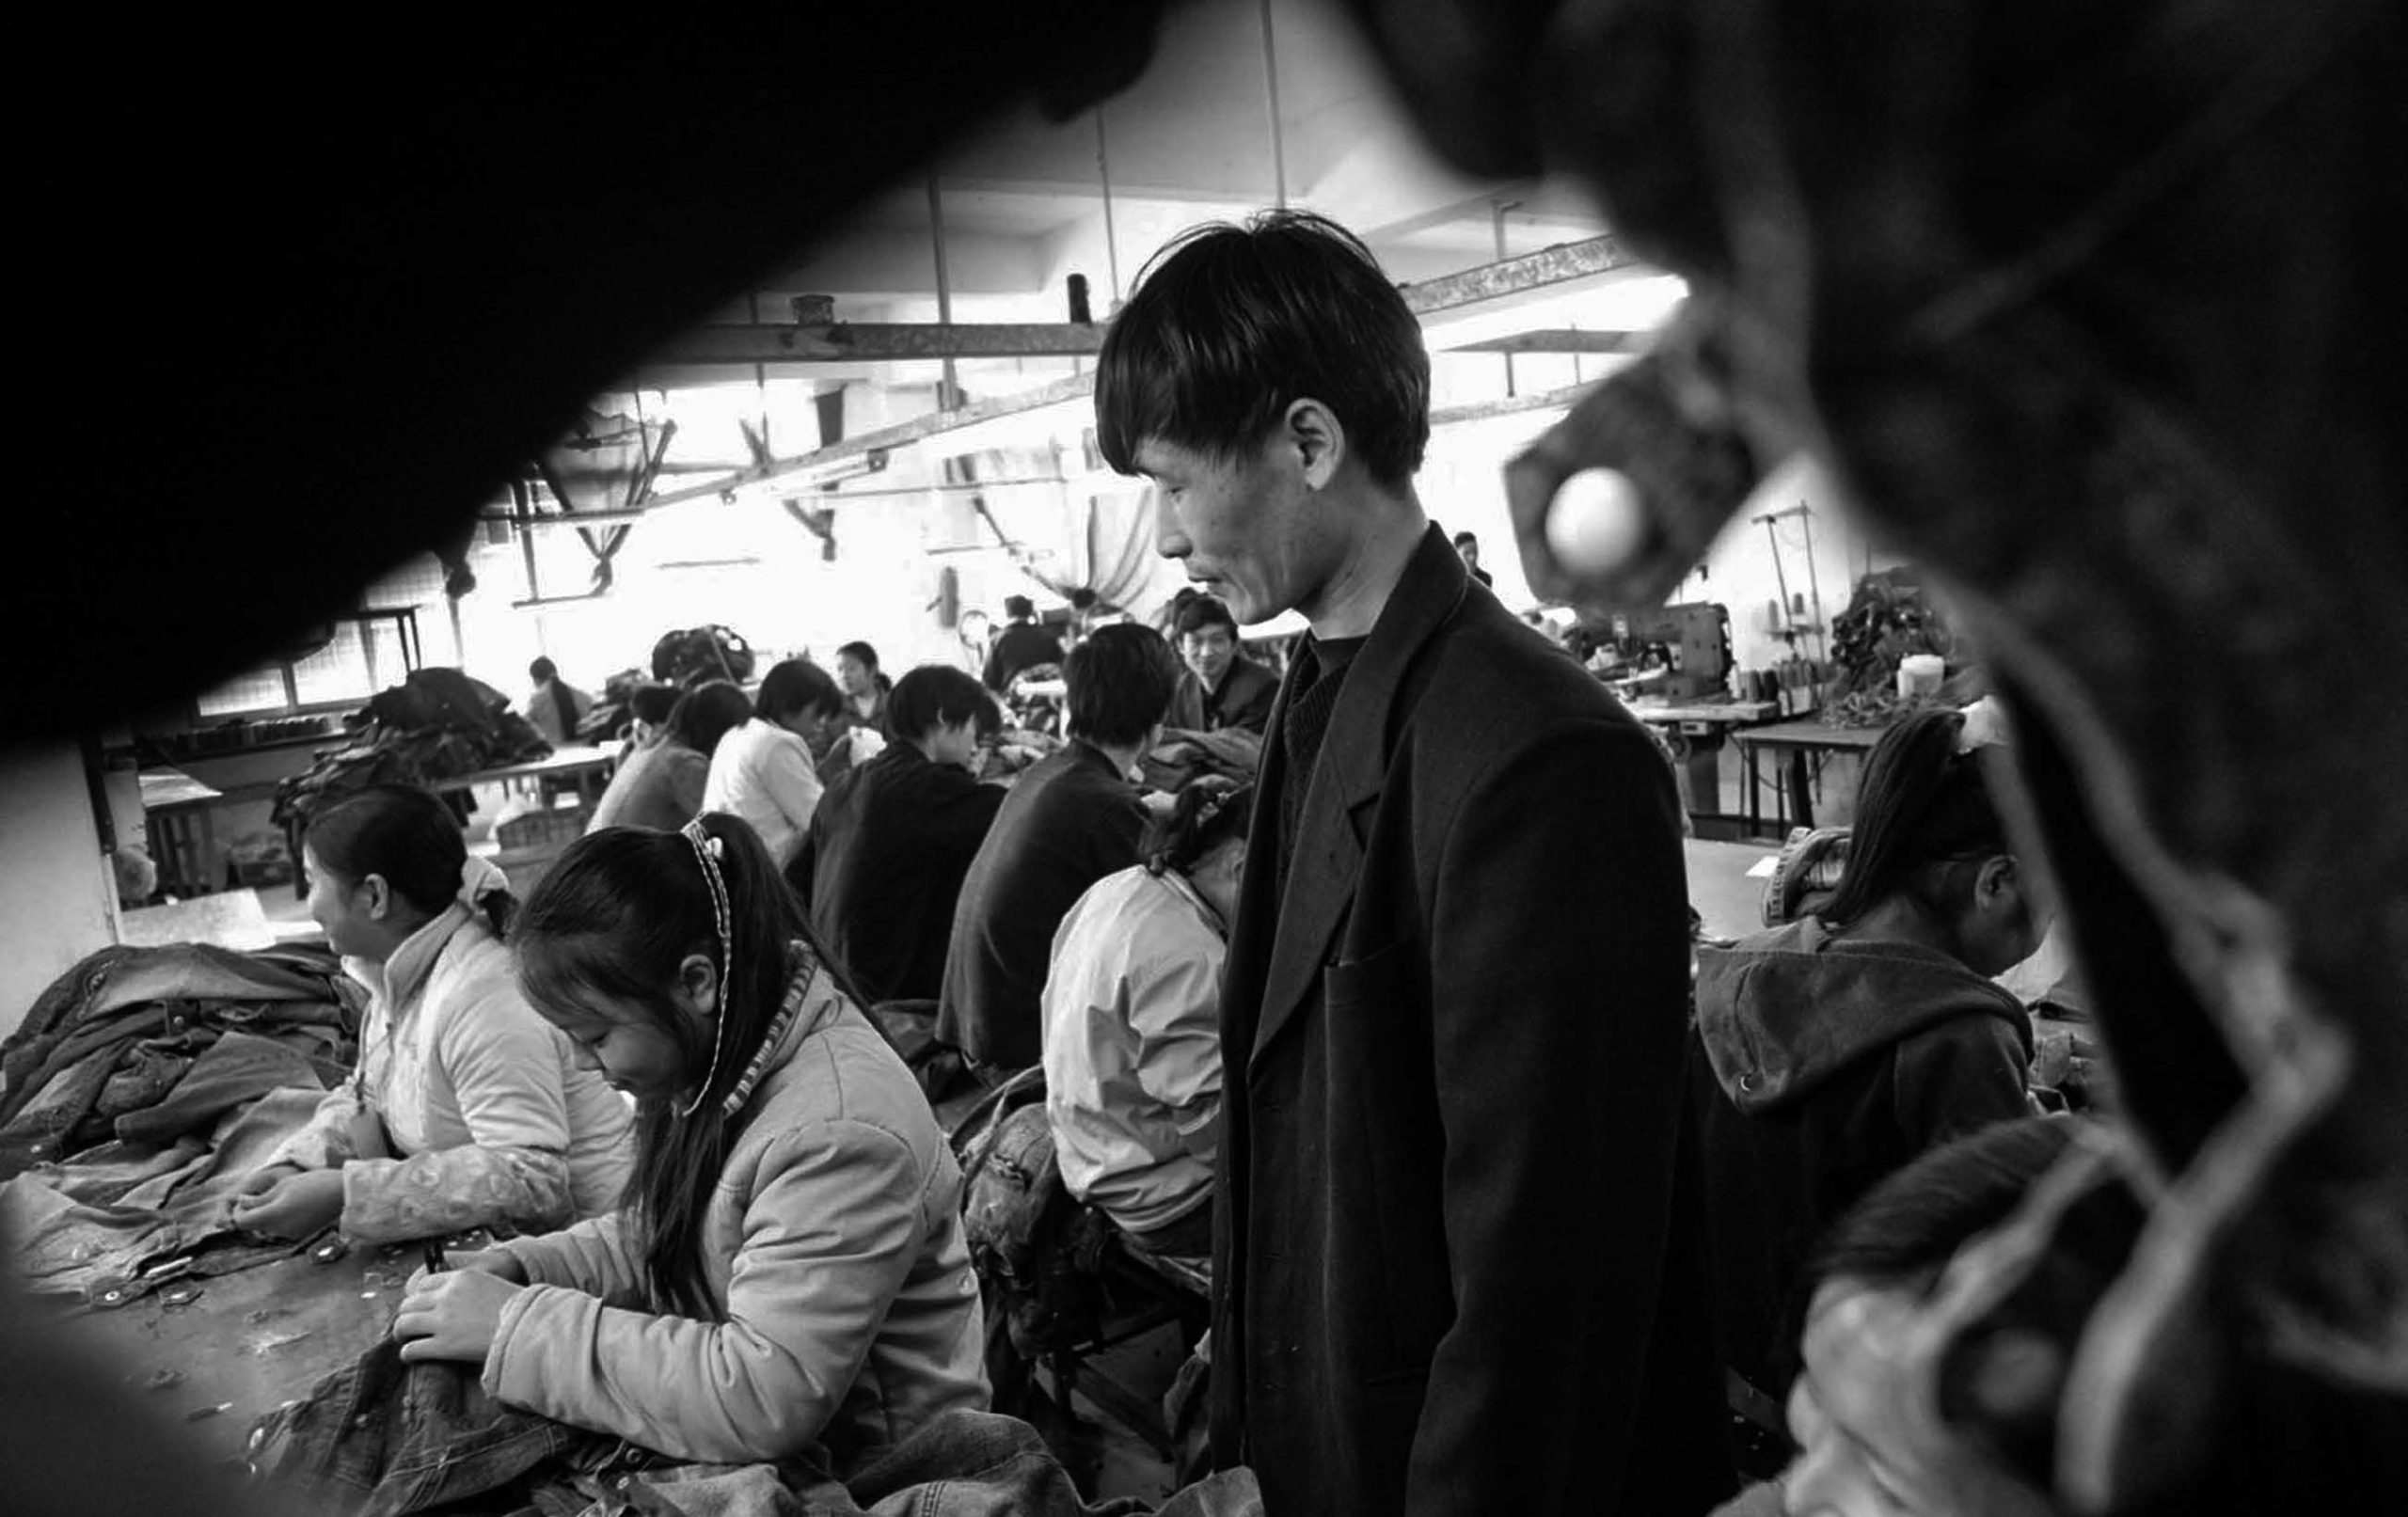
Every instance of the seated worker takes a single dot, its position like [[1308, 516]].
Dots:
[[466, 1110], [790, 1278], [1022, 644], [648, 708], [1070, 819], [661, 787], [1132, 1025], [763, 771], [1467, 549], [1221, 685], [883, 865], [554, 706], [1830, 1051], [858, 734]]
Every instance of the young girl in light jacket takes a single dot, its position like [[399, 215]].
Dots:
[[790, 1276], [466, 1110]]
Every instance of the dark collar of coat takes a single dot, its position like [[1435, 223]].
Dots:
[[1346, 780]]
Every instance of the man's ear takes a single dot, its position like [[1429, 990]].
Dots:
[[1318, 438], [380, 896]]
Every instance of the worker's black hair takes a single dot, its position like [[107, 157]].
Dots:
[[542, 669], [707, 712], [1019, 608], [935, 693], [1203, 612], [1209, 810], [408, 838], [1461, 538], [1232, 325], [654, 702], [1121, 681], [796, 686], [1921, 807]]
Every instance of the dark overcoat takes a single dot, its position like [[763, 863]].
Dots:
[[1456, 1252]]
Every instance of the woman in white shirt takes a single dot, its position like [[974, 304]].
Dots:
[[468, 1110], [763, 770], [1133, 1024]]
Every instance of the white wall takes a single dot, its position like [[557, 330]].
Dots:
[[55, 890]]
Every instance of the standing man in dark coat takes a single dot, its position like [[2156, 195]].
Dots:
[[1456, 1253]]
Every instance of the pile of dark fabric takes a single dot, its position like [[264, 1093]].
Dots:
[[143, 1088], [613, 710], [437, 724], [1182, 757], [703, 652], [1890, 616], [148, 1045]]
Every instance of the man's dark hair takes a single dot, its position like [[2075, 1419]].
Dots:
[[1232, 325], [796, 686], [934, 693], [707, 712], [1203, 612], [1019, 608], [1461, 538], [542, 669], [654, 702], [1121, 681]]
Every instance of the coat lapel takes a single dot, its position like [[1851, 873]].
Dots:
[[1344, 788]]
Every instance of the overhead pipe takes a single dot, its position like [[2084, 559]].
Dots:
[[1271, 94], [949, 391], [1111, 239]]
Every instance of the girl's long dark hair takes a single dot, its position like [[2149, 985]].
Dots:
[[406, 835], [1921, 802], [614, 919]]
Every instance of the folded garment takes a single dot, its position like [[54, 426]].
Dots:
[[382, 1438], [238, 1068], [64, 1247], [64, 1238], [109, 1174]]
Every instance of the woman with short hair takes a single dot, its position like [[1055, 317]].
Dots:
[[661, 787]]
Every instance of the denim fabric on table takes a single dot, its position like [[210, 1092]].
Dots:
[[82, 1029], [238, 1068], [241, 1143], [107, 1175], [97, 1216], [382, 1438], [145, 1073], [56, 1245], [957, 1464]]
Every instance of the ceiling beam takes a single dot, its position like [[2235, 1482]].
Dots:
[[878, 342], [1489, 281], [1557, 339], [1559, 264]]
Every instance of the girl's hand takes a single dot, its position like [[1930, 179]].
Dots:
[[498, 1262], [264, 1180], [298, 1205], [453, 1315]]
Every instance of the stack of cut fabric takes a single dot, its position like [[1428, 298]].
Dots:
[[144, 1086], [437, 724]]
